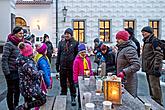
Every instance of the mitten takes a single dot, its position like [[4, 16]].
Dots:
[[121, 75]]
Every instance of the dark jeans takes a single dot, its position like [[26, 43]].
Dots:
[[155, 88], [13, 93], [64, 75]]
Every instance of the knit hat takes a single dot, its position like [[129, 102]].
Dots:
[[81, 48], [41, 48], [25, 49], [147, 29], [69, 30], [97, 40], [103, 47], [124, 35], [130, 30]]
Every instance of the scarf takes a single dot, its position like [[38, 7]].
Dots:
[[15, 40]]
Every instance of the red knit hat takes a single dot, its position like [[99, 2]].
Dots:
[[124, 35], [103, 47], [41, 48], [25, 49]]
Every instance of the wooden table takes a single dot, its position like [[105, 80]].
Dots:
[[128, 101]]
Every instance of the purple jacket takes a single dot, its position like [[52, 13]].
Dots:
[[78, 67]]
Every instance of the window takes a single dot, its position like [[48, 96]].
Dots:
[[129, 23], [155, 25], [104, 30], [79, 30], [20, 22], [39, 39]]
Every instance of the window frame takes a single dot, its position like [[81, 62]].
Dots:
[[79, 29], [104, 29], [127, 20], [154, 28]]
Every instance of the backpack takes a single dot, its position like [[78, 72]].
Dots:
[[161, 44]]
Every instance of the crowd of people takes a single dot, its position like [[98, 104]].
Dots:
[[27, 68]]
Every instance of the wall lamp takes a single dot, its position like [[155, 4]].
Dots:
[[64, 11]]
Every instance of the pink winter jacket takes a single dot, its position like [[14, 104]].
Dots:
[[78, 67]]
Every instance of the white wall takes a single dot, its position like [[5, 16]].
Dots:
[[6, 8], [37, 15], [116, 10]]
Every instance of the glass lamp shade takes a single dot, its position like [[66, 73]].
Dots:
[[112, 91]]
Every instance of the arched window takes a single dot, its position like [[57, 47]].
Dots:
[[20, 22]]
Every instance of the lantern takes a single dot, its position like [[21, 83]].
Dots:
[[112, 90]]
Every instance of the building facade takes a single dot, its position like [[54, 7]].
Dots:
[[92, 19], [7, 19]]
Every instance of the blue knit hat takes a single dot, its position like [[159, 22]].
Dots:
[[147, 29], [69, 30], [81, 48], [97, 40]]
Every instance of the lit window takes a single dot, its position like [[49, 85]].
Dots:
[[104, 30], [20, 22], [79, 30], [155, 25], [129, 23]]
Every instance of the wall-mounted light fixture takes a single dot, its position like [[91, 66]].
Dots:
[[38, 24], [64, 11]]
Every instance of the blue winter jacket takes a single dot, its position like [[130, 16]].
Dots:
[[44, 65]]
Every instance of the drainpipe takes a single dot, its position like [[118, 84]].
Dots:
[[56, 23]]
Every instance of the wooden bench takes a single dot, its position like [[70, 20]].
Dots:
[[51, 98], [154, 104], [60, 102]]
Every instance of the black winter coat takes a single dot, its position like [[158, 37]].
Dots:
[[110, 61], [66, 56]]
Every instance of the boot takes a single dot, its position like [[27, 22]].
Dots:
[[21, 107], [73, 101]]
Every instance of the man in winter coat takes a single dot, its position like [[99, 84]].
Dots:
[[10, 68], [128, 62], [152, 57], [132, 37], [67, 51], [49, 46]]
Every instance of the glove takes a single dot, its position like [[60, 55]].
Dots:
[[57, 68], [157, 72], [121, 75]]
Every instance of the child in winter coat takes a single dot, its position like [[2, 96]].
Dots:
[[44, 65], [81, 67], [108, 56], [29, 79], [82, 64]]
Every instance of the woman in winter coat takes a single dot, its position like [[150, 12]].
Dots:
[[82, 64], [9, 66], [128, 62], [49, 46], [30, 79]]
